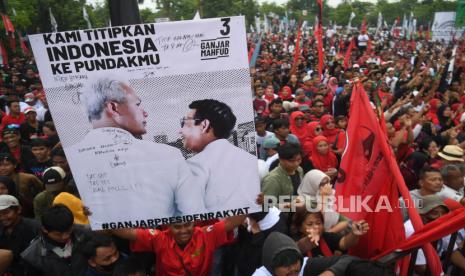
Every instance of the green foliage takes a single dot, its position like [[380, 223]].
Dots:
[[32, 16], [266, 8]]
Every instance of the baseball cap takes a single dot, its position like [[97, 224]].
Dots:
[[271, 143], [29, 97], [7, 201], [7, 157], [430, 202], [29, 109], [51, 176], [259, 120]]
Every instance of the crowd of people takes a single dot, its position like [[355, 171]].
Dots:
[[417, 86]]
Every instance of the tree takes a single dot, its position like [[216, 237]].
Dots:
[[147, 16], [267, 8]]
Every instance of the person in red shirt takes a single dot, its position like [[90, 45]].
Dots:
[[182, 249], [15, 117]]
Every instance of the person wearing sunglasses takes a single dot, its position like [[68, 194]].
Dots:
[[318, 110], [224, 172]]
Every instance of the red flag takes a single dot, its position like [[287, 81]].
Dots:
[[250, 52], [370, 175], [365, 172], [427, 34], [435, 230], [349, 54], [364, 25], [7, 23], [369, 46], [296, 50], [4, 55], [320, 51], [24, 48]]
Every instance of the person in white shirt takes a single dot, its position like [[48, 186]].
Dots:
[[391, 80], [271, 145], [261, 135], [363, 41], [227, 174]]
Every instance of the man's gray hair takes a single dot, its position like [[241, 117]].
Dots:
[[98, 93], [449, 168]]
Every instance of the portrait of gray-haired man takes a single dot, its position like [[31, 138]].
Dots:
[[120, 176], [112, 103]]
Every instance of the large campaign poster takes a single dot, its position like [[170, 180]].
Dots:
[[156, 120]]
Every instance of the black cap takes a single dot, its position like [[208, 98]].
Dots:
[[53, 175]]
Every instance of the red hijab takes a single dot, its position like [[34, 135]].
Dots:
[[329, 133], [312, 128], [322, 162], [301, 132], [431, 114], [289, 94]]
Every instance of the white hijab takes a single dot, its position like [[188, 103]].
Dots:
[[310, 189]]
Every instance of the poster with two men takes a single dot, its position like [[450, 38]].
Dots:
[[156, 120]]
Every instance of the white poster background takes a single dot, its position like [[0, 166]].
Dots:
[[116, 173], [444, 26]]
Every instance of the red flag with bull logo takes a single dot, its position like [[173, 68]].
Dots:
[[369, 182]]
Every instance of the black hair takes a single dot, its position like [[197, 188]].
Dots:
[[259, 120], [449, 168], [57, 218], [8, 157], [11, 129], [50, 125], [286, 258], [279, 123], [426, 170], [129, 267], [299, 218], [273, 102], [38, 142], [258, 216], [220, 115], [288, 151], [398, 114], [58, 151], [425, 143], [12, 100], [10, 185], [88, 247], [317, 101]]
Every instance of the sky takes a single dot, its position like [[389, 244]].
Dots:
[[151, 3]]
